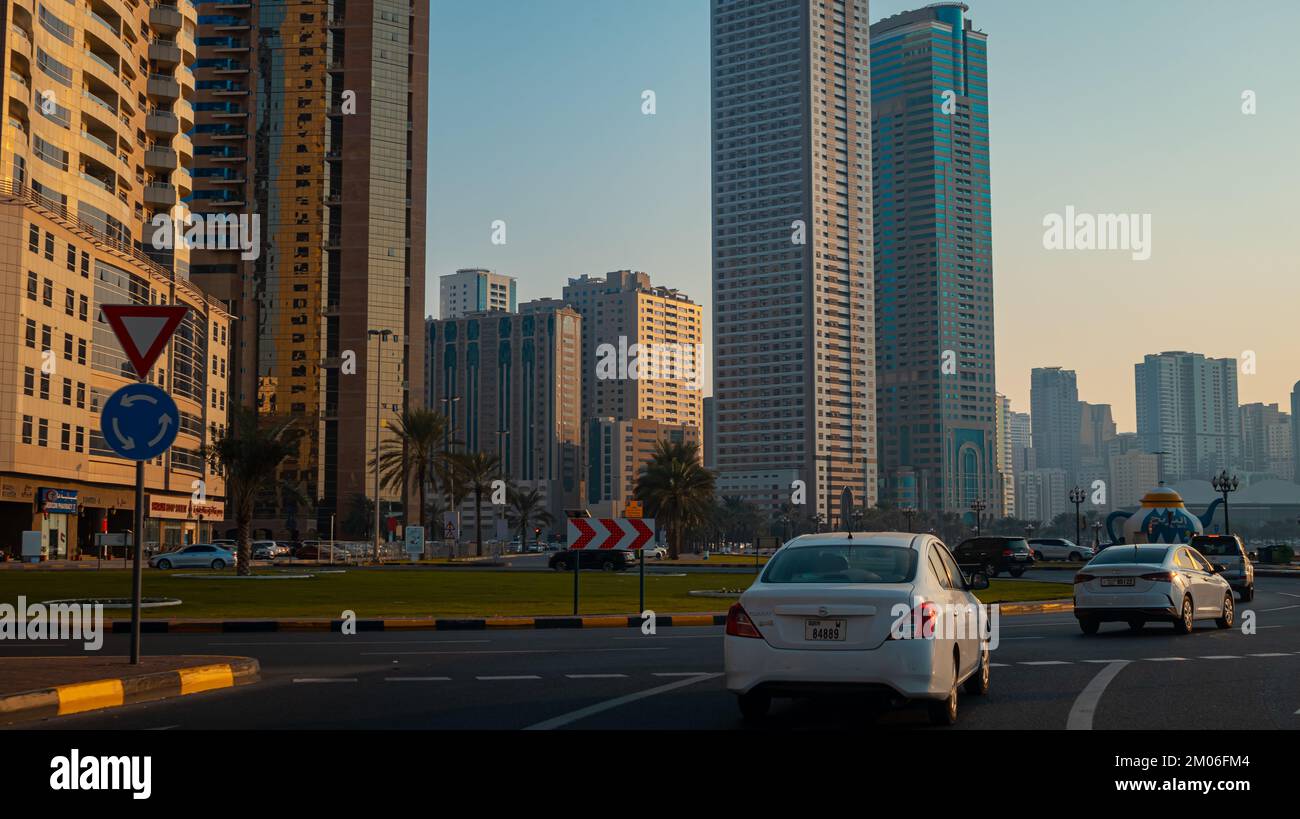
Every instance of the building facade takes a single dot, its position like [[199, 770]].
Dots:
[[475, 290], [1054, 405], [1266, 440], [1042, 494], [311, 120], [1132, 475], [935, 391], [1295, 432], [616, 451], [793, 337], [1187, 409], [1006, 456]]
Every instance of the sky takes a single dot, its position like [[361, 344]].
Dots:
[[1109, 106]]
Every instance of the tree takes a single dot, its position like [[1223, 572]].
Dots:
[[360, 516], [248, 454], [676, 490], [526, 509], [453, 487], [412, 453], [477, 471]]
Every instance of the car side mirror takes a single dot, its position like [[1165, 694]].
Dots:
[[978, 581], [1253, 555], [1219, 568]]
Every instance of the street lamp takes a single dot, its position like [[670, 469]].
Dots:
[[382, 336], [1096, 534], [908, 512], [1223, 484], [978, 506], [1077, 497]]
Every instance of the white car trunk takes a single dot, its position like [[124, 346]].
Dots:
[[827, 616], [1107, 579]]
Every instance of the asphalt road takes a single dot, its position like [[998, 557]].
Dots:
[[1046, 675]]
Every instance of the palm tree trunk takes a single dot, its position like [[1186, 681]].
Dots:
[[244, 557], [478, 519], [423, 515]]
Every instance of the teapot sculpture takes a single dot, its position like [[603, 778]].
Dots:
[[1162, 518]]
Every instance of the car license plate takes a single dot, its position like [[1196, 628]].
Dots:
[[1117, 581], [1020, 557], [817, 630]]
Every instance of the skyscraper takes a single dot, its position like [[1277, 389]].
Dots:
[[1054, 405], [472, 290], [1006, 456], [1266, 439], [285, 94], [1187, 409], [933, 258], [1020, 428], [793, 363], [1295, 431]]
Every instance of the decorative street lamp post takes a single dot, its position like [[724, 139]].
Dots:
[[908, 512], [978, 506], [1077, 497], [1223, 484], [1096, 534]]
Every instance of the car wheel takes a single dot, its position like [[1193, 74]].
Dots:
[[1136, 625], [164, 564], [1038, 555], [1075, 557], [754, 704], [218, 564], [1089, 625], [978, 683], [560, 566], [990, 570], [1183, 625], [607, 566], [944, 711], [1229, 614], [1017, 572]]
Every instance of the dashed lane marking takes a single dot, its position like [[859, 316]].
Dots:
[[595, 676], [1085, 706], [1220, 657], [1047, 662], [417, 679], [1272, 654], [518, 651], [500, 677], [325, 679], [1164, 659], [680, 673]]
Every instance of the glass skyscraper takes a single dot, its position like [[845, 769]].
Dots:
[[935, 386]]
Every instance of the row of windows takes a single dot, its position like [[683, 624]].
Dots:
[[35, 246], [47, 340], [70, 387], [71, 438], [74, 304]]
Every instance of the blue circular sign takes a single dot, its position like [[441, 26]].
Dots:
[[140, 421]]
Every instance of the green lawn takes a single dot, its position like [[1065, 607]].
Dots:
[[378, 593]]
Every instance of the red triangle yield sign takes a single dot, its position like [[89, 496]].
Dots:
[[143, 330]]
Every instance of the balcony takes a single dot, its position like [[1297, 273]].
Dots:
[[160, 158], [165, 52], [166, 19], [162, 123], [160, 194], [163, 87], [101, 102], [22, 41]]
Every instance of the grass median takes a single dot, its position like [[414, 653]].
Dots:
[[380, 593]]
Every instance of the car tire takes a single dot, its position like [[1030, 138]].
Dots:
[[978, 683], [218, 564], [164, 564], [608, 566], [1248, 594], [1229, 613], [944, 712], [560, 566], [1075, 557], [1185, 623], [1017, 572], [1136, 625], [1038, 555], [754, 704], [1089, 625], [990, 570]]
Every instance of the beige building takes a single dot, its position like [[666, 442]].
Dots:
[[1132, 475], [474, 290], [616, 451], [97, 102]]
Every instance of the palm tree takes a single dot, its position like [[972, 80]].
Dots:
[[248, 453], [524, 510], [454, 487], [477, 471], [676, 490], [412, 453]]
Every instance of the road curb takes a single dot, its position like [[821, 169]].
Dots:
[[76, 698], [1035, 608], [417, 623]]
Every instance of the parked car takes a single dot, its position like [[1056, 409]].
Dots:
[[1229, 551], [656, 552], [265, 549], [1150, 581], [229, 543], [993, 554], [822, 618], [1058, 548], [204, 555], [323, 551], [609, 560]]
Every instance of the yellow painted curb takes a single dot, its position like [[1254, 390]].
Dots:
[[73, 699], [510, 622], [605, 622], [206, 678], [692, 619], [426, 624]]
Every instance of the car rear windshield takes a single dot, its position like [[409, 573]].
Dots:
[[847, 563], [1216, 546], [1120, 553]]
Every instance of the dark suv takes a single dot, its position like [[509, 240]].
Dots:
[[1227, 551], [609, 560], [992, 554]]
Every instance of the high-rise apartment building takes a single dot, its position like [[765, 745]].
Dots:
[[1054, 405], [1006, 456], [710, 426], [474, 290], [616, 450], [311, 119], [935, 391], [1132, 475], [1020, 428], [1042, 494], [511, 385], [1187, 409], [1266, 440], [97, 100], [793, 362], [642, 349]]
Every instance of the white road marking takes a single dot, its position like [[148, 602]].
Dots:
[[1164, 659], [325, 679], [163, 728], [520, 651], [595, 676], [1220, 657], [508, 677], [673, 637], [574, 716], [1273, 654], [1289, 594], [680, 673], [1047, 662], [344, 641], [417, 679], [999, 665], [1085, 706], [1105, 662], [1282, 608]]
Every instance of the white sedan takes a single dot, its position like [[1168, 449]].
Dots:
[[872, 613], [1140, 583]]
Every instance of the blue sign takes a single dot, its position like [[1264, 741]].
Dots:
[[57, 501], [140, 421]]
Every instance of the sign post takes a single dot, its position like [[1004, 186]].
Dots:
[[414, 542], [140, 421], [620, 534]]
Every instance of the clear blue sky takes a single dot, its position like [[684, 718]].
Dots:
[[1109, 105]]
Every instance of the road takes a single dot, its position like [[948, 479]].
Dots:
[[1046, 675]]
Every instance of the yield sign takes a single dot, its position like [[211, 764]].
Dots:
[[622, 534], [143, 330]]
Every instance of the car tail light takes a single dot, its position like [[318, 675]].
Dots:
[[1083, 577], [1159, 577], [1008, 552], [924, 617], [739, 624]]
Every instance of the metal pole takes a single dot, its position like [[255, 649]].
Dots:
[[642, 579], [137, 574], [577, 559], [379, 351], [1227, 526]]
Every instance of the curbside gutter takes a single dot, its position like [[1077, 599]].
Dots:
[[418, 623], [75, 698]]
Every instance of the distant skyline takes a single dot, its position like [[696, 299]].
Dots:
[[1109, 107]]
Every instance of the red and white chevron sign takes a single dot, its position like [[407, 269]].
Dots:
[[626, 534]]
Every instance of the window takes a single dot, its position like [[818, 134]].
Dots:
[[65, 437], [81, 351], [67, 346], [1183, 561], [83, 308], [31, 334], [47, 335], [33, 239], [27, 429], [47, 293], [29, 382], [31, 285], [81, 439], [69, 301], [45, 386], [49, 256], [939, 569], [67, 392], [858, 563], [43, 433], [72, 258]]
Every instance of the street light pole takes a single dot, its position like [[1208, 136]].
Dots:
[[1223, 484], [978, 506], [908, 511], [1077, 497], [381, 336]]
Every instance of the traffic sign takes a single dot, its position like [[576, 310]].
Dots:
[[140, 421], [622, 534], [143, 330], [414, 540], [634, 509]]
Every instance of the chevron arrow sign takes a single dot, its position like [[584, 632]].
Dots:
[[625, 534]]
